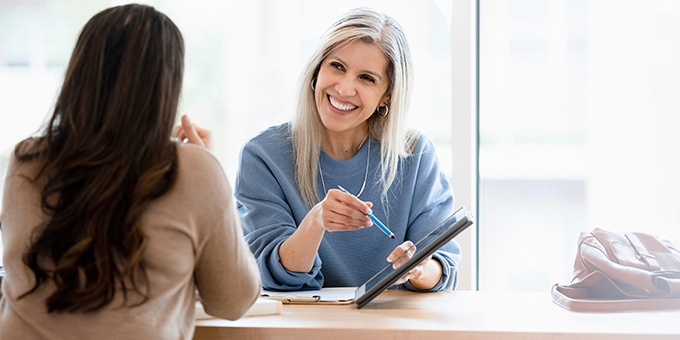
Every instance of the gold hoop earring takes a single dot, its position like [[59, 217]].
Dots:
[[313, 84], [381, 112]]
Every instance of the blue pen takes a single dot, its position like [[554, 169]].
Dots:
[[375, 220]]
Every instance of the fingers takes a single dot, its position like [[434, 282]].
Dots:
[[177, 132], [402, 279], [341, 211], [352, 202], [413, 274], [401, 254], [191, 133]]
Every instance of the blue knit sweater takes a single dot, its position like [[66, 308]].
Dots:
[[271, 207]]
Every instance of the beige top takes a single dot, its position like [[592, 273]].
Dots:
[[194, 242]]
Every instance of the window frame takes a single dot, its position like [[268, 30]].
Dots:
[[465, 131]]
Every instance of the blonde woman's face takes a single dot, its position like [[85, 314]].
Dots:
[[352, 82]]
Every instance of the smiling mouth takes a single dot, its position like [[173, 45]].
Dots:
[[340, 106]]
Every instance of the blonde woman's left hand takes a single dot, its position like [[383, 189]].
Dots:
[[417, 275]]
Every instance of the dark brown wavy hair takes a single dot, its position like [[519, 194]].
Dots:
[[104, 155]]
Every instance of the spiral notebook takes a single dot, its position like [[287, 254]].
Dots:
[[330, 296]]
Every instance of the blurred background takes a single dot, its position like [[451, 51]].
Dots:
[[577, 107]]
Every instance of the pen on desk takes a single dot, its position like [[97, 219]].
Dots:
[[375, 220]]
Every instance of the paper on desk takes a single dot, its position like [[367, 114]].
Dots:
[[261, 307], [330, 295]]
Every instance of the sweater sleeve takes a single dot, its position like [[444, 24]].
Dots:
[[268, 204], [433, 202], [225, 273]]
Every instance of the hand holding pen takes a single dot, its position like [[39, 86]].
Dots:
[[375, 220]]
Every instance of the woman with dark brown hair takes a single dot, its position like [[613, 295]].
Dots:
[[109, 226]]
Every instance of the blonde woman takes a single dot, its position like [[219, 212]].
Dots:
[[348, 132]]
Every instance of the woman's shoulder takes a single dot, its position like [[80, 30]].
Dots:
[[197, 158], [418, 143], [200, 172], [275, 133], [274, 139]]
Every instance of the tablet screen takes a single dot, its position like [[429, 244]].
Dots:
[[425, 247]]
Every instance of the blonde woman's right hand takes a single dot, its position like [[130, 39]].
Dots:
[[340, 211]]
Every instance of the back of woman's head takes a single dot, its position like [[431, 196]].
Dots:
[[105, 154], [123, 81]]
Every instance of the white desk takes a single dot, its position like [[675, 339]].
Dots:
[[446, 315]]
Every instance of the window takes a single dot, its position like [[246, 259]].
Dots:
[[579, 116], [242, 60], [578, 105]]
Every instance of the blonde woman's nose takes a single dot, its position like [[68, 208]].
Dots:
[[346, 87]]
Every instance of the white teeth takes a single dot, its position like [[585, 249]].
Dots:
[[339, 106]]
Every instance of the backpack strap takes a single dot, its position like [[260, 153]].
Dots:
[[638, 242]]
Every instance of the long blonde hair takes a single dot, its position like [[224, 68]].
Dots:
[[366, 25]]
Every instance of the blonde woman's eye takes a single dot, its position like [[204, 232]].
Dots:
[[368, 79], [337, 65]]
